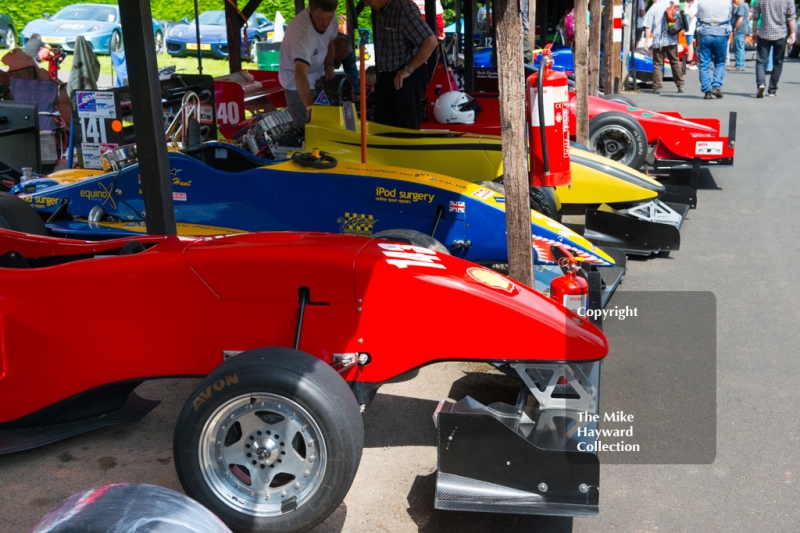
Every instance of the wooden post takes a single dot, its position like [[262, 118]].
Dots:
[[581, 73], [233, 23], [608, 51], [510, 74], [145, 88], [596, 15]]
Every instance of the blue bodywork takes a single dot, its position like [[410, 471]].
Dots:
[[96, 22], [286, 196], [214, 35], [564, 61]]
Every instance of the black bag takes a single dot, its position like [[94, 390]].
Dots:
[[675, 20]]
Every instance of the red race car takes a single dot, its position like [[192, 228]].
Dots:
[[294, 332], [617, 129]]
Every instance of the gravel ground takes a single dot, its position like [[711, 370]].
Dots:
[[737, 244]]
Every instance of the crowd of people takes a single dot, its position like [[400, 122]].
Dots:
[[713, 25], [312, 47]]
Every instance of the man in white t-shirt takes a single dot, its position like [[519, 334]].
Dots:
[[306, 55], [640, 21]]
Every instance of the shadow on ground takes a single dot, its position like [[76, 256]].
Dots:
[[430, 520], [412, 422]]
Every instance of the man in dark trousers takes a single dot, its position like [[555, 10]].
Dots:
[[403, 43], [777, 31], [664, 46]]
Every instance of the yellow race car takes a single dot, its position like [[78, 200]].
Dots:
[[622, 206]]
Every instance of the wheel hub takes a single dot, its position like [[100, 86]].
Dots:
[[260, 451], [614, 143], [266, 450]]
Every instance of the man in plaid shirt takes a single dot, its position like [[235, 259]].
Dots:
[[777, 21], [403, 44], [664, 45]]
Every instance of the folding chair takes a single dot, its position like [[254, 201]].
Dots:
[[43, 93]]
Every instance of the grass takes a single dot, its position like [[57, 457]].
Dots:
[[188, 65]]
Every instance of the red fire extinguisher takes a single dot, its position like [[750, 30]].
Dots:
[[549, 144], [570, 290]]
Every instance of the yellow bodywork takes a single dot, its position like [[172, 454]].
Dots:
[[466, 156]]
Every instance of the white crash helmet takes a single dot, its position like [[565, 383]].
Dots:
[[455, 107]]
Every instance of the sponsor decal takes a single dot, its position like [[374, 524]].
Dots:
[[708, 148], [92, 153], [40, 202], [179, 196], [93, 104], [482, 193], [356, 224], [322, 99], [406, 255], [103, 194], [383, 194], [458, 207], [217, 386], [175, 179], [491, 279]]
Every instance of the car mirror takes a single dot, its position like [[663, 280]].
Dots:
[[46, 15], [185, 20]]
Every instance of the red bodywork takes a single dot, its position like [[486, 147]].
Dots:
[[674, 137], [255, 91], [173, 309]]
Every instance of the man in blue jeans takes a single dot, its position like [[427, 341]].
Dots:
[[714, 28], [777, 22], [741, 14]]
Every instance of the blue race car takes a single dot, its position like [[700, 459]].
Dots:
[[182, 38], [98, 23], [219, 188]]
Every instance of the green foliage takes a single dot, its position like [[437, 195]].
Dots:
[[23, 12]]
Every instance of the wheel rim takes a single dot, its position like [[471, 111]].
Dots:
[[11, 39], [262, 454], [114, 46], [614, 143], [253, 51]]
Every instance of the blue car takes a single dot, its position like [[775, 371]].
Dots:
[[98, 23], [563, 61], [182, 39], [8, 34]]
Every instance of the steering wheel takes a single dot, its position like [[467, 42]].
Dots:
[[314, 159]]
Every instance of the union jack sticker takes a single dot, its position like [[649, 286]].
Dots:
[[458, 207]]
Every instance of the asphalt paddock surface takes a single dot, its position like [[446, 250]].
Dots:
[[739, 244]]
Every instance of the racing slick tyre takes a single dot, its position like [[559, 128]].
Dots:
[[17, 215], [252, 52], [622, 99], [270, 441], [543, 199], [619, 137], [11, 39], [414, 237], [115, 44], [159, 39]]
